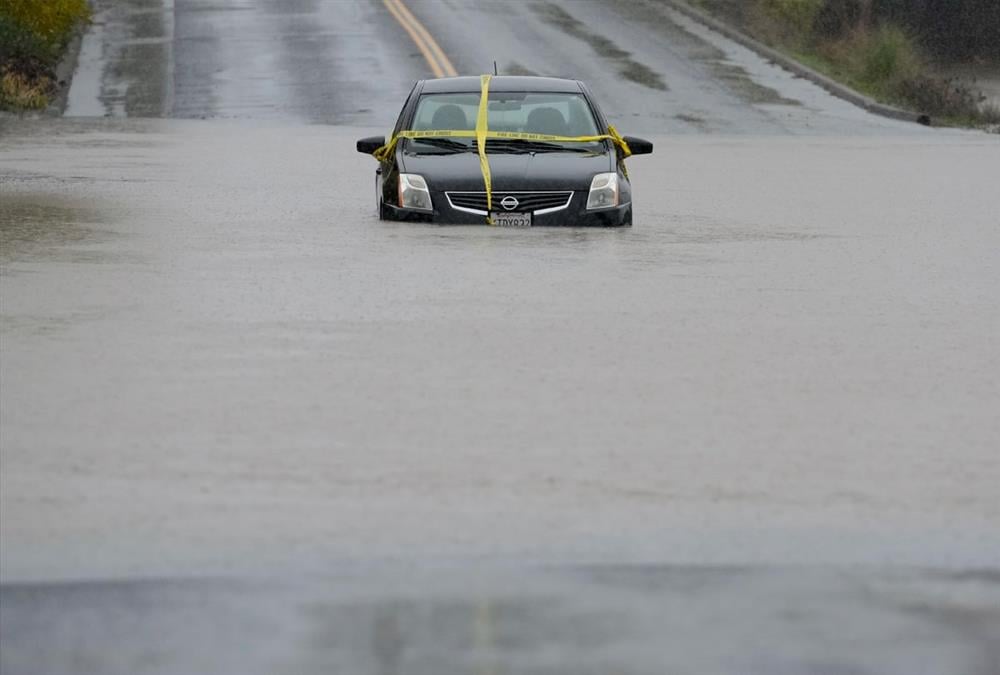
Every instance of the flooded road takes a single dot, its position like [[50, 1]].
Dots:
[[216, 362], [208, 316], [247, 427]]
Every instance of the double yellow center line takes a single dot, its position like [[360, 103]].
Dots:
[[434, 55]]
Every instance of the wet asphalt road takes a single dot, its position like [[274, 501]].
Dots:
[[487, 620], [349, 62], [248, 428]]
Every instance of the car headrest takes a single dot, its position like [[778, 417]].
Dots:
[[449, 117], [546, 121]]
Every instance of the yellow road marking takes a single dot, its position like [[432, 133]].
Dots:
[[417, 40], [431, 50], [446, 67]]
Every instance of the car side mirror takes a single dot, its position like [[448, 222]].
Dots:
[[370, 144], [639, 146]]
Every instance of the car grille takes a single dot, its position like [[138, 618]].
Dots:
[[526, 201]]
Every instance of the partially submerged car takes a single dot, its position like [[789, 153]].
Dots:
[[511, 151]]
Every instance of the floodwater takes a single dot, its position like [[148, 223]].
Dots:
[[217, 363], [205, 330], [245, 427]]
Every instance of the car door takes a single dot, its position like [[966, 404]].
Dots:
[[387, 174]]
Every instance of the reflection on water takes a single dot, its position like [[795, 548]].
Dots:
[[387, 642], [586, 621], [654, 619], [677, 241], [34, 227]]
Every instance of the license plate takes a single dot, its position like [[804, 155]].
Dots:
[[502, 219]]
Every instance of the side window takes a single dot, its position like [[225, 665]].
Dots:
[[403, 112]]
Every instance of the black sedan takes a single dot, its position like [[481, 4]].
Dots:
[[511, 151]]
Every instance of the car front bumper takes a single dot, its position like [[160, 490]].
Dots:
[[575, 214]]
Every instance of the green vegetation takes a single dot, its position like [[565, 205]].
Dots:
[[33, 37], [879, 61], [791, 21], [883, 48]]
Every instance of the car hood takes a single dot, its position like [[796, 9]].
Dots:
[[540, 171]]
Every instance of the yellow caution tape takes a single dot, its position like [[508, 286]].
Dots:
[[482, 126], [482, 134]]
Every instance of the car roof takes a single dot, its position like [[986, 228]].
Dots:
[[455, 85]]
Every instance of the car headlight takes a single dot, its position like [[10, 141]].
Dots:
[[413, 192], [603, 191]]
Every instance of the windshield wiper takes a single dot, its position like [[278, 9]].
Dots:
[[515, 146], [444, 143], [518, 145]]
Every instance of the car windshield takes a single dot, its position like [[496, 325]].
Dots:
[[549, 113]]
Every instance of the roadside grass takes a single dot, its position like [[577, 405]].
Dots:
[[785, 22], [880, 62], [879, 59], [34, 35], [20, 92]]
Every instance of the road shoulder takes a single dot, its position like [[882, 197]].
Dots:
[[832, 86]]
